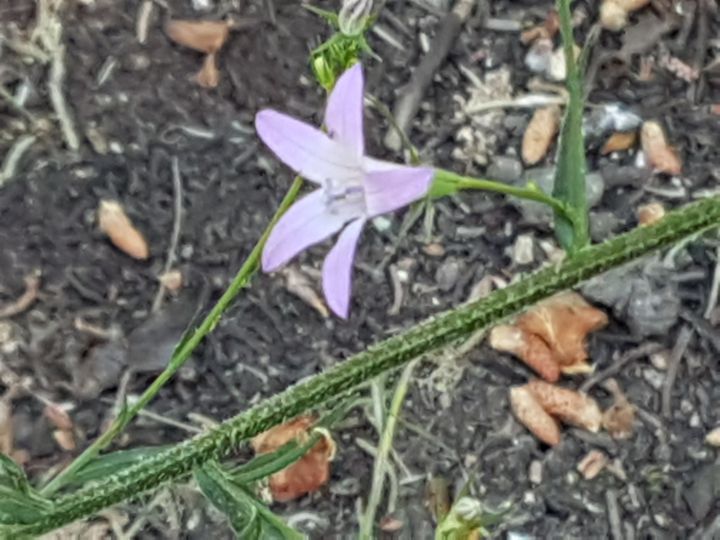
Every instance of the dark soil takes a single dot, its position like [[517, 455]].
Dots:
[[137, 108]]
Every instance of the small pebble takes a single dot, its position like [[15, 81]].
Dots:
[[505, 169], [522, 252], [535, 472], [713, 437], [433, 250], [654, 378], [448, 274]]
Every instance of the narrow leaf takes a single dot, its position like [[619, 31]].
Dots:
[[569, 184], [248, 517], [103, 466]]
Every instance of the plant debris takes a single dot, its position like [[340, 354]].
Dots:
[[540, 134], [619, 419], [204, 36], [115, 223], [550, 338], [618, 142], [568, 406], [306, 475], [25, 300], [592, 464], [531, 414], [614, 13], [298, 283], [659, 154]]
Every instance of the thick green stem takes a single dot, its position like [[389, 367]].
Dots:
[[181, 354], [530, 192], [436, 332]]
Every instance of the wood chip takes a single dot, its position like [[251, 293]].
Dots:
[[203, 36], [569, 406], [32, 286]]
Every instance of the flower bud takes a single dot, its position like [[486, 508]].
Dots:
[[353, 16]]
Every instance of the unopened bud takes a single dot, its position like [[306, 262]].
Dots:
[[353, 16]]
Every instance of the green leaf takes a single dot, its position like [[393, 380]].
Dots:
[[248, 517], [569, 184], [103, 466], [20, 503]]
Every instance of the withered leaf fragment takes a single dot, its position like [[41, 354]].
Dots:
[[204, 36], [550, 338], [115, 223], [531, 414], [619, 141], [307, 474], [540, 134], [659, 154], [569, 406]]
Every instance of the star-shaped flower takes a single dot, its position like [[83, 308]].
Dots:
[[352, 187]]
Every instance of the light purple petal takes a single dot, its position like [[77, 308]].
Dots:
[[305, 149], [306, 222], [344, 112], [337, 269], [389, 186]]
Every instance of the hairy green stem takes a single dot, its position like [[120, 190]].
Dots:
[[391, 353], [530, 192], [182, 353]]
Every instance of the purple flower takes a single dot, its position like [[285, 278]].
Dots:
[[352, 187]]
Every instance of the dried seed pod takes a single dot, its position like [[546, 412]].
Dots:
[[619, 141], [529, 348], [568, 406], [660, 155], [203, 36], [117, 226], [532, 415], [650, 213], [540, 134]]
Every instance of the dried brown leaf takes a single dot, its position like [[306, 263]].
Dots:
[[532, 415], [113, 221], [540, 134], [617, 142], [659, 154], [203, 36], [532, 350], [569, 406], [307, 474], [299, 284], [563, 322]]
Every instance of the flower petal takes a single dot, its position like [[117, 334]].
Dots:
[[389, 186], [306, 149], [337, 269], [306, 222], [344, 112]]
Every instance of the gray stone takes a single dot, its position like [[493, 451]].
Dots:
[[505, 169], [539, 214]]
